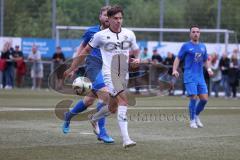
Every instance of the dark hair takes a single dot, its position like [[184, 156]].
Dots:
[[114, 10], [104, 8], [193, 26]]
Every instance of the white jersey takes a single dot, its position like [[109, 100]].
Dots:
[[112, 44], [114, 49]]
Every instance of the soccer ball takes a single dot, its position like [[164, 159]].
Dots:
[[81, 85]]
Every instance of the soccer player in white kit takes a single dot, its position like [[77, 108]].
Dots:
[[115, 44]]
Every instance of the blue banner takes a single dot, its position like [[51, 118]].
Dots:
[[69, 46], [45, 46]]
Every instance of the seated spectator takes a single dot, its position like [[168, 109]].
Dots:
[[134, 75], [156, 58], [144, 69]]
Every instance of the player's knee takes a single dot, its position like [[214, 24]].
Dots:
[[113, 104], [88, 101], [112, 109], [193, 97]]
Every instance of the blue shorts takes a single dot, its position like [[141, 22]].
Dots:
[[94, 72], [196, 88]]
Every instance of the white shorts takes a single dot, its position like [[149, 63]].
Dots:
[[115, 83]]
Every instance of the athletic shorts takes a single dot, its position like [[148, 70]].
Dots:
[[115, 83], [196, 88], [94, 72]]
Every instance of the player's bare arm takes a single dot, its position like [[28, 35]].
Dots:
[[78, 60], [79, 49], [175, 67], [208, 66]]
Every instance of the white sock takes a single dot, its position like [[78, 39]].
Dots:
[[122, 121]]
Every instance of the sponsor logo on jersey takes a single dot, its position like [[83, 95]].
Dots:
[[198, 57], [124, 45]]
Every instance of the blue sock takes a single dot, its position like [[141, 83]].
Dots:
[[79, 107], [192, 108], [101, 122], [200, 106]]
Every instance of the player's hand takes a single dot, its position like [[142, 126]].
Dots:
[[67, 73], [72, 74], [134, 62], [175, 73]]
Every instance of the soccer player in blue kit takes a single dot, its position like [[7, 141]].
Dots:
[[93, 72], [194, 55]]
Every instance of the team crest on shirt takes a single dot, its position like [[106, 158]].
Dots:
[[198, 57]]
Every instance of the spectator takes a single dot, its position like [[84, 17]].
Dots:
[[2, 67], [155, 69], [36, 68], [145, 57], [8, 72], [144, 69], [134, 75], [224, 67], [169, 62], [217, 76], [59, 67], [233, 74], [20, 66], [156, 58]]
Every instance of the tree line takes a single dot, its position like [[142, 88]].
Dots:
[[32, 18]]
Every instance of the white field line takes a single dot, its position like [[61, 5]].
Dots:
[[86, 133], [6, 109]]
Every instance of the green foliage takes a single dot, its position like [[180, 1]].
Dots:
[[32, 18]]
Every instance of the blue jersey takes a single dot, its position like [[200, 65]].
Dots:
[[193, 56], [88, 36]]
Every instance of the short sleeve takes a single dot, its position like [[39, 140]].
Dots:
[[87, 37], [95, 42], [182, 52]]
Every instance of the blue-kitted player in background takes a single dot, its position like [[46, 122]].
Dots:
[[194, 55], [93, 72]]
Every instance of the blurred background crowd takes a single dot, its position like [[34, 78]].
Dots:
[[17, 71]]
